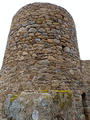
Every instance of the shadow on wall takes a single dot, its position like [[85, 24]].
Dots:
[[84, 105]]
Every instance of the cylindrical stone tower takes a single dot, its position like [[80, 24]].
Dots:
[[42, 53]]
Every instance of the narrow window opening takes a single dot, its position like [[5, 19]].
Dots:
[[84, 99], [84, 104]]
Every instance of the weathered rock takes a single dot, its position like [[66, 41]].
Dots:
[[56, 41], [32, 30], [25, 46], [51, 58], [41, 30], [67, 49], [37, 40], [50, 40], [39, 105], [25, 53]]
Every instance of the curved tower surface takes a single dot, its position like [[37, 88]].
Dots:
[[41, 75]]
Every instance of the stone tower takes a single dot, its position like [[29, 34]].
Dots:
[[41, 76]]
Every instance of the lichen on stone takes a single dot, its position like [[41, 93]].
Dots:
[[14, 97]]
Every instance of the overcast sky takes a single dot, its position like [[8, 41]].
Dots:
[[79, 9]]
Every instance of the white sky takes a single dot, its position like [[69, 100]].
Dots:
[[79, 9]]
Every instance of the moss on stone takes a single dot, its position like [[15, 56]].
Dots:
[[44, 91], [14, 97]]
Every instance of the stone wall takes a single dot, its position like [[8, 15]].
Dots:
[[42, 55], [86, 84]]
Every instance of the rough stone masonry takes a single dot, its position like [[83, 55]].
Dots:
[[42, 76]]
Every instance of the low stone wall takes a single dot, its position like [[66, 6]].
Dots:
[[40, 105]]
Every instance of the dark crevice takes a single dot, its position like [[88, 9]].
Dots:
[[84, 99], [84, 104], [63, 46]]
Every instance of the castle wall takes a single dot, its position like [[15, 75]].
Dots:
[[42, 54], [86, 83]]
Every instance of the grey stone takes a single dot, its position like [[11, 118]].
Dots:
[[46, 45], [72, 51], [26, 35], [8, 45], [11, 33], [58, 37], [31, 22], [12, 109], [43, 62], [49, 23], [35, 25], [25, 46], [32, 30], [66, 49], [82, 117], [28, 23], [58, 70], [37, 40], [71, 72], [44, 34], [13, 43], [56, 41], [7, 105], [1, 105], [41, 30], [47, 16], [55, 31], [59, 21], [55, 19], [35, 115]]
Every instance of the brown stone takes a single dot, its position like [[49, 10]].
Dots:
[[21, 58], [31, 34], [50, 40], [51, 58], [25, 53]]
